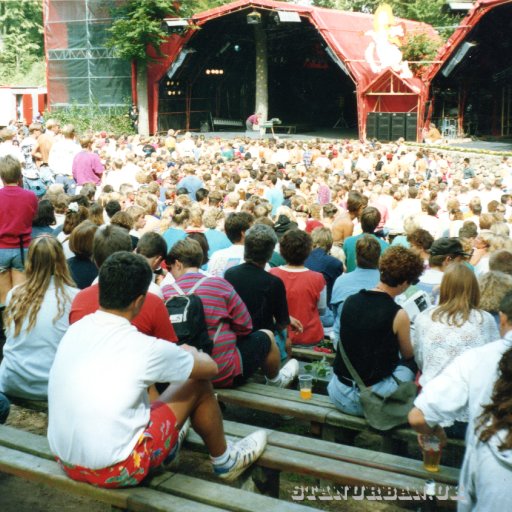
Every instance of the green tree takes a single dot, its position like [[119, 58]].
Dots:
[[21, 38], [138, 25]]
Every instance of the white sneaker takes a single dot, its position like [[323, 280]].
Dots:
[[245, 452], [172, 460], [286, 374]]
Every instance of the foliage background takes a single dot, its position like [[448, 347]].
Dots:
[[21, 42], [93, 118]]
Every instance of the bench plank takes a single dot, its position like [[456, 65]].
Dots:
[[35, 469], [319, 409], [310, 354], [336, 471], [351, 454], [240, 397], [214, 494], [186, 487]]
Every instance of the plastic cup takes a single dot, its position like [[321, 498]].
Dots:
[[431, 453], [305, 386]]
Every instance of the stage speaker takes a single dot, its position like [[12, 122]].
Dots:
[[371, 125], [411, 127], [397, 125], [384, 127]]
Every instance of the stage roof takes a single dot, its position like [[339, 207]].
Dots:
[[480, 8], [345, 32]]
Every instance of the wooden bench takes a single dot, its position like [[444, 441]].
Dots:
[[311, 355], [28, 456], [319, 411], [339, 464]]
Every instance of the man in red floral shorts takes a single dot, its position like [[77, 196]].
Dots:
[[102, 428]]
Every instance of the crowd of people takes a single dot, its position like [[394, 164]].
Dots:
[[401, 256]]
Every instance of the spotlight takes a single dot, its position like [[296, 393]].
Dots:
[[236, 47], [254, 18], [175, 25], [221, 71], [208, 71]]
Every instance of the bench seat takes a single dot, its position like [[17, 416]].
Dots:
[[319, 410], [28, 456]]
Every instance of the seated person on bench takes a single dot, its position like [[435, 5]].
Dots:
[[264, 294], [238, 350], [102, 428], [375, 333]]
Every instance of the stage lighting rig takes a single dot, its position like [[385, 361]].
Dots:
[[254, 18], [176, 25]]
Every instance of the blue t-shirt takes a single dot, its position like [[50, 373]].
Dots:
[[173, 235], [349, 246], [216, 240]]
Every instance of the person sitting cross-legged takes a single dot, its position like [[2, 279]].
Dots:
[[102, 428]]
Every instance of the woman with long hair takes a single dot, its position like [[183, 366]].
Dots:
[[36, 318], [455, 325]]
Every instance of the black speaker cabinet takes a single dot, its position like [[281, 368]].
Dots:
[[371, 125], [384, 127], [411, 126], [397, 125]]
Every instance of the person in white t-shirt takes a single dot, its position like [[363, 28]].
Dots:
[[235, 227], [102, 428], [60, 159]]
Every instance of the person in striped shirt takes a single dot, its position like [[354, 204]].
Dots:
[[237, 350]]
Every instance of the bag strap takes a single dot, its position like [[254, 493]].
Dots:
[[217, 332], [350, 368], [176, 286], [197, 285]]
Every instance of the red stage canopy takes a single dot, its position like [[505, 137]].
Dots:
[[348, 35], [479, 9]]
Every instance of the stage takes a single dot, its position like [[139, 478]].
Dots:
[[321, 133]]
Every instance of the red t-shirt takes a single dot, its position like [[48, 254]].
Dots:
[[17, 210], [302, 294], [152, 319]]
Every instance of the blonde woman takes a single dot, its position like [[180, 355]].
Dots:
[[454, 326], [36, 318]]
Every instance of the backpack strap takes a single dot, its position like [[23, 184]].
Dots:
[[197, 285], [176, 286], [217, 332]]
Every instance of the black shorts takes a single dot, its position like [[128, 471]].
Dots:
[[253, 349]]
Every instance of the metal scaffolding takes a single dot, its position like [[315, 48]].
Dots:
[[81, 70]]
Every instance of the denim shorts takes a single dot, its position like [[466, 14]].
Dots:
[[11, 258], [346, 397]]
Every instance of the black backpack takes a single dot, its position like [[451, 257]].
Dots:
[[186, 313]]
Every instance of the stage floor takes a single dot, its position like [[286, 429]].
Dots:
[[490, 144], [326, 134]]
